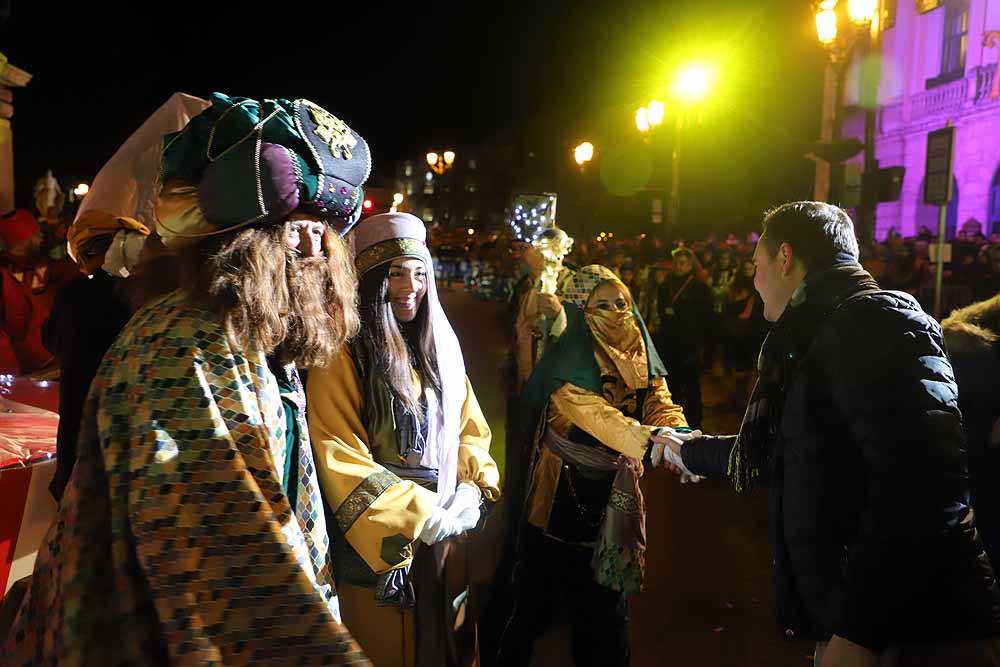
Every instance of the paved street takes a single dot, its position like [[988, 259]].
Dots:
[[708, 599]]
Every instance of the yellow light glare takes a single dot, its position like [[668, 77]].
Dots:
[[81, 189], [471, 231], [642, 119], [397, 198], [654, 113], [432, 158], [862, 11], [694, 82], [449, 157], [583, 153], [826, 26]]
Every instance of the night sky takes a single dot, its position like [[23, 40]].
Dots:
[[541, 75]]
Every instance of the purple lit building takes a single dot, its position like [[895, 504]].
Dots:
[[938, 65]]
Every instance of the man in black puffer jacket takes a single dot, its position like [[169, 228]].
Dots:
[[854, 423]]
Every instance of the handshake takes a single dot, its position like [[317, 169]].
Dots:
[[666, 451], [460, 514]]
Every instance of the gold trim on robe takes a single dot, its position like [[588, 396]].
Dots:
[[374, 506]]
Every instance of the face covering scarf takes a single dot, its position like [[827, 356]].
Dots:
[[617, 334]]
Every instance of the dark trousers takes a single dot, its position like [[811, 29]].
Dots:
[[551, 576], [684, 382]]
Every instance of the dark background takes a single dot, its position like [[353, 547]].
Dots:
[[535, 78]]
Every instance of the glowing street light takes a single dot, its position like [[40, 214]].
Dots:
[[839, 42], [862, 11], [397, 201], [826, 22], [583, 153], [693, 82], [642, 119], [654, 113], [81, 190], [441, 163]]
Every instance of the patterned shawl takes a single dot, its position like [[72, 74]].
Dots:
[[174, 543]]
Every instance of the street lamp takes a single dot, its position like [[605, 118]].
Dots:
[[654, 112], [826, 23], [862, 12], [440, 163], [865, 17], [642, 119], [583, 153], [397, 201], [691, 86], [81, 190]]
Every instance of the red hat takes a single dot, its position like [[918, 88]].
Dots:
[[16, 227]]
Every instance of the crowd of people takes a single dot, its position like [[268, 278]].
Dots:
[[270, 451]]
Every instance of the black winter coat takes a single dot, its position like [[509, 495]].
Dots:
[[870, 519]]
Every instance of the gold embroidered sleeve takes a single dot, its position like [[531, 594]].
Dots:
[[596, 416], [379, 514], [660, 409], [474, 461]]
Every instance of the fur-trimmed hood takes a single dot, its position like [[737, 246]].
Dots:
[[974, 329]]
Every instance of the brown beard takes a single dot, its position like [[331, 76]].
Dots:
[[307, 341], [269, 299]]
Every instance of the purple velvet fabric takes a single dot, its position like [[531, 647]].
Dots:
[[228, 201]]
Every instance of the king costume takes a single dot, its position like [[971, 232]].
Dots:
[[191, 532], [592, 403]]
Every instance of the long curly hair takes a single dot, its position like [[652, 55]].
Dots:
[[398, 347], [301, 310]]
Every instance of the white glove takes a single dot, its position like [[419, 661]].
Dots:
[[441, 525], [670, 456], [464, 505], [656, 454]]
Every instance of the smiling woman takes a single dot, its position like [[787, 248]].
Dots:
[[403, 454]]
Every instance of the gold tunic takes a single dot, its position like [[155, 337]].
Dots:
[[602, 416]]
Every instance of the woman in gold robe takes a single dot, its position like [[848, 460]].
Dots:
[[402, 449], [599, 403]]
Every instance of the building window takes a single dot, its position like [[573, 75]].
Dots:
[[993, 223], [429, 188], [470, 186], [956, 37], [409, 188], [408, 169], [471, 215], [472, 165], [428, 215]]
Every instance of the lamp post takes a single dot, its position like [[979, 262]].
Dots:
[[440, 163], [864, 16], [690, 87]]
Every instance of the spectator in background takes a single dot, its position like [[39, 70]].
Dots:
[[86, 318], [685, 309], [972, 335]]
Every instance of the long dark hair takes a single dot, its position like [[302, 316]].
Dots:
[[398, 346]]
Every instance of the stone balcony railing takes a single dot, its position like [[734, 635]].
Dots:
[[966, 95]]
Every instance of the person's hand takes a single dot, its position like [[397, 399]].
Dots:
[[441, 525], [667, 445], [548, 304], [464, 505], [842, 652], [659, 456]]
